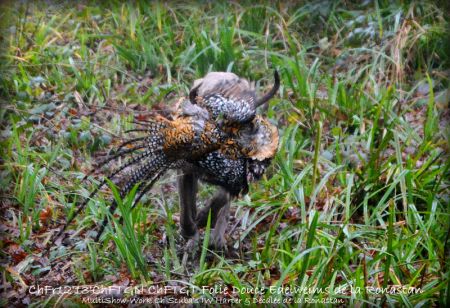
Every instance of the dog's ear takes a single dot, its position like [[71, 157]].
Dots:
[[261, 101]]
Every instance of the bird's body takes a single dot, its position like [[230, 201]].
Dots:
[[183, 138], [227, 157], [243, 160]]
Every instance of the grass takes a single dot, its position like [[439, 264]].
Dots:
[[355, 208]]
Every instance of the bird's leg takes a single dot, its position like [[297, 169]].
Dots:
[[219, 205]]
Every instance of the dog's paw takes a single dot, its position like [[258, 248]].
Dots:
[[217, 241], [190, 249], [192, 244]]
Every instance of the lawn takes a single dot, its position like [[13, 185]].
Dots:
[[354, 209]]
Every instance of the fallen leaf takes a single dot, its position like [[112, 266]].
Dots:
[[46, 214], [16, 252], [73, 112]]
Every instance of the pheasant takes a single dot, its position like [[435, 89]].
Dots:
[[217, 135]]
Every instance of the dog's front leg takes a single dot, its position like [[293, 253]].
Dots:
[[219, 205], [187, 187]]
